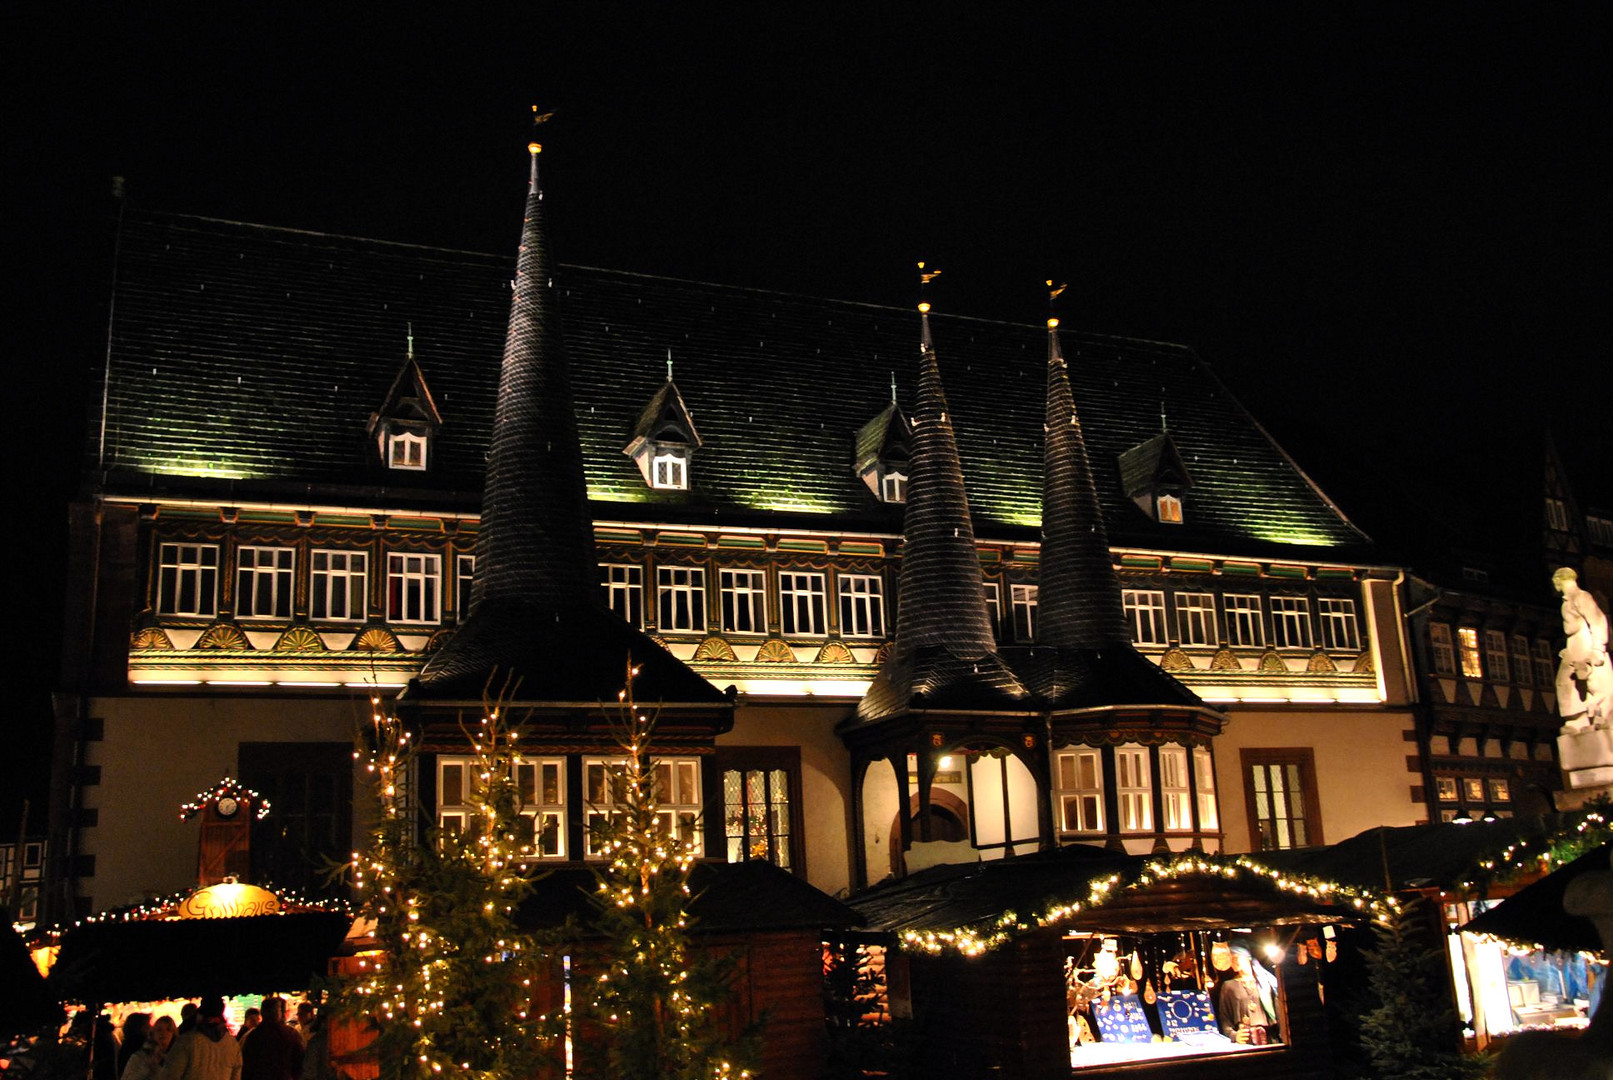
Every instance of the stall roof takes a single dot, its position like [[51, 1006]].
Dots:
[[1120, 893], [1534, 915], [747, 897], [1443, 856], [156, 959]]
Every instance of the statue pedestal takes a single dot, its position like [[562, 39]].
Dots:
[[1586, 754]]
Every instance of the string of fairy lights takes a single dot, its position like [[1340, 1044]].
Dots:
[[1581, 831], [228, 787], [979, 939]]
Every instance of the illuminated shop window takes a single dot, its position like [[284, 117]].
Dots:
[[1468, 638], [623, 584], [758, 823], [744, 601], [1195, 618], [339, 585], [187, 579], [1145, 611]]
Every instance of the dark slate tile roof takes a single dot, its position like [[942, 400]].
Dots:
[[887, 431], [247, 360], [932, 677], [746, 897], [1148, 462], [1093, 678]]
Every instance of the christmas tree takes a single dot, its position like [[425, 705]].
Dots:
[[656, 998], [451, 988], [1411, 1033]]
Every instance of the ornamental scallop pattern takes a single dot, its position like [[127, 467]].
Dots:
[[1224, 660], [1364, 665], [885, 652], [376, 639], [1272, 664], [715, 648], [775, 652], [1175, 660], [1321, 664], [833, 652], [151, 639], [224, 638], [438, 640], [299, 639]]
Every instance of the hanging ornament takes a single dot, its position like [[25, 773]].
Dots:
[[1302, 954], [1221, 956], [1332, 951], [1314, 947], [1148, 992], [1136, 967]]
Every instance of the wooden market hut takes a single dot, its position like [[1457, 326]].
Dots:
[[981, 949]]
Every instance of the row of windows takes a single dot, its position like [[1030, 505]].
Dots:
[[1492, 654], [803, 600], [1079, 790], [756, 805], [1242, 620], [338, 584]]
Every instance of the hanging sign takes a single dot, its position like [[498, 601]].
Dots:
[[229, 900]]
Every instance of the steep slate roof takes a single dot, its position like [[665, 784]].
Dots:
[[886, 431], [1149, 462], [245, 361], [535, 610], [946, 653]]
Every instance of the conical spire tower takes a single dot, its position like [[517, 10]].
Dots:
[[1079, 596]]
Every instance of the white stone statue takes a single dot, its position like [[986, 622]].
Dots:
[[1584, 678]]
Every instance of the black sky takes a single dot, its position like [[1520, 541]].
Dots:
[[1387, 228]]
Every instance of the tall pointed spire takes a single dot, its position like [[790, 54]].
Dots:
[[1079, 598], [942, 602]]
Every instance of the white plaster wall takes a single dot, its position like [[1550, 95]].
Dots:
[[158, 752], [987, 774], [879, 811], [825, 781], [1361, 776]]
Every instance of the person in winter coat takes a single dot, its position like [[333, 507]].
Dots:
[[272, 1051], [206, 1052], [136, 1030], [146, 1062]]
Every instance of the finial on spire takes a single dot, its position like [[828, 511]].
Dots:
[[893, 388], [1162, 427], [411, 341], [534, 147], [1053, 293], [925, 277], [669, 363]]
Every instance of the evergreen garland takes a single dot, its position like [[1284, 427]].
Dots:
[[657, 999], [451, 988]]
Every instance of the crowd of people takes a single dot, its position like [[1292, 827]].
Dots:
[[269, 1045]]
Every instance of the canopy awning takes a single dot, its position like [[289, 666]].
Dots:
[[157, 959], [1534, 915]]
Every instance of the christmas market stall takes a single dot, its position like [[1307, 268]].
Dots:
[[1529, 968], [225, 937], [1107, 964]]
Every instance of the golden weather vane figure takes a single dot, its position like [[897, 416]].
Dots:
[[538, 120]]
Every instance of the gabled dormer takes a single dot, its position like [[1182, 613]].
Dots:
[[881, 453], [405, 426], [664, 439], [1155, 478]]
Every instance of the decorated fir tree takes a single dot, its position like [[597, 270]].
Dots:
[[451, 990], [1410, 1031], [656, 998]]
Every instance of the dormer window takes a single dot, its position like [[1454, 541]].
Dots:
[[893, 487], [406, 451], [1155, 478], [880, 454], [664, 439], [407, 420], [669, 470]]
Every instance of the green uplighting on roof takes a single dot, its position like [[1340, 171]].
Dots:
[[211, 470]]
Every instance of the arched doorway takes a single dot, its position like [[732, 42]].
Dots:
[[949, 820]]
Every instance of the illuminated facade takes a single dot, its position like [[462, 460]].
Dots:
[[284, 509]]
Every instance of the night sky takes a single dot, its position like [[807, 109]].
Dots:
[[1388, 231]]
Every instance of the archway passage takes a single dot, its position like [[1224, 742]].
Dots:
[[949, 820]]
